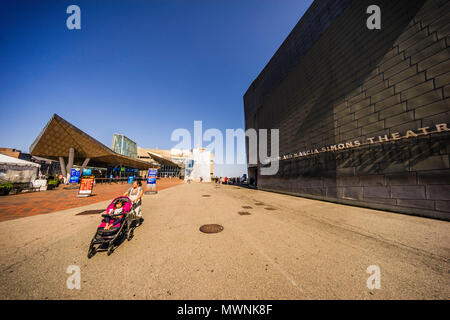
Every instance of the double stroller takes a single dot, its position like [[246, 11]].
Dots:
[[121, 225]]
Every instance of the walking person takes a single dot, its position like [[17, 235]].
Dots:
[[135, 193]]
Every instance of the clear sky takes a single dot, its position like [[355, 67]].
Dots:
[[140, 68]]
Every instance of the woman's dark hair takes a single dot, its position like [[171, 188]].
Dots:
[[138, 182]]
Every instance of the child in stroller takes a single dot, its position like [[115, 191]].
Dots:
[[116, 223], [116, 211]]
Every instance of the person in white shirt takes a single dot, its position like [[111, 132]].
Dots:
[[135, 193]]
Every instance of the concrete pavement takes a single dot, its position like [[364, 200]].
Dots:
[[287, 248]]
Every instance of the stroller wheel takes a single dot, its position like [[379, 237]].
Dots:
[[91, 251], [130, 234], [110, 250]]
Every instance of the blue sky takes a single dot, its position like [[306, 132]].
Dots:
[[140, 68]]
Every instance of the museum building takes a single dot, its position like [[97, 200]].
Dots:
[[363, 113]]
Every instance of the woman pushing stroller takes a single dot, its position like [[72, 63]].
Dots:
[[135, 193], [118, 220], [116, 224]]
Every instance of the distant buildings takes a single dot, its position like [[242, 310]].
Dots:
[[167, 167], [196, 164], [61, 147], [18, 154], [72, 148]]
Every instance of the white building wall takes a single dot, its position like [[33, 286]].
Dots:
[[202, 166], [201, 160]]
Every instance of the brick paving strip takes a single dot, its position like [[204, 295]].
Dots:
[[35, 203]]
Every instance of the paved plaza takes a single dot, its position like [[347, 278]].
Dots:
[[272, 246]]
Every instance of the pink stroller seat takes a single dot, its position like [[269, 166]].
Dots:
[[116, 226]]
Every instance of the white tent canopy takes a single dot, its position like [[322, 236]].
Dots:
[[10, 161], [17, 170]]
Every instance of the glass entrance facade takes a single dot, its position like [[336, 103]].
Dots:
[[123, 145]]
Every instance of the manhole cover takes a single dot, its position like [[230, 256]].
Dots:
[[206, 195], [211, 228], [270, 209], [259, 203], [244, 213], [246, 207], [90, 212]]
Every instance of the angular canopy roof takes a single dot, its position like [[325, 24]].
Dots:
[[59, 136], [158, 157]]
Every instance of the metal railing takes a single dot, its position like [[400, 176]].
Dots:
[[115, 180]]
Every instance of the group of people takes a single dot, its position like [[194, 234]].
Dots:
[[221, 180], [226, 180]]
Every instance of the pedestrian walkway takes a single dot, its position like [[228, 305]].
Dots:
[[30, 204], [270, 246]]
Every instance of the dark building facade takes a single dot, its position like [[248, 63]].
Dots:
[[363, 115]]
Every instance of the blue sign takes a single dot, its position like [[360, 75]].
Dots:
[[74, 176], [151, 176], [130, 179], [87, 172]]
